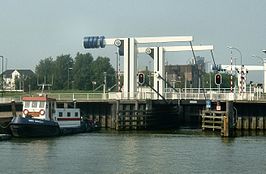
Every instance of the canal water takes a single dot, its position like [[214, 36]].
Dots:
[[185, 151]]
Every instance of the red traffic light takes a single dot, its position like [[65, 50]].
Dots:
[[218, 79]]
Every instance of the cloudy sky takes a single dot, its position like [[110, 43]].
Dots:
[[31, 30]]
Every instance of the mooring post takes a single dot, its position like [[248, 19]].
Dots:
[[136, 113], [117, 115], [228, 121], [13, 108]]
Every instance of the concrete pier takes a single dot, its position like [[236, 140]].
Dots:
[[159, 114]]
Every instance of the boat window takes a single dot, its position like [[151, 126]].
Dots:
[[26, 104], [76, 114], [60, 114], [42, 104], [34, 104], [68, 114]]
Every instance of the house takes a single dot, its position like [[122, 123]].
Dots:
[[10, 76]]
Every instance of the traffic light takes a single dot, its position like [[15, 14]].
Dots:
[[141, 78], [218, 79]]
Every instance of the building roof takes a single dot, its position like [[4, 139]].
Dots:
[[25, 72]]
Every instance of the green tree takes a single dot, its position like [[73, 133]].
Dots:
[[82, 71], [45, 70], [226, 78], [101, 65], [62, 75], [26, 83]]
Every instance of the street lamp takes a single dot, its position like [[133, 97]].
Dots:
[[241, 66], [207, 62], [93, 85], [264, 70], [234, 48], [2, 76], [258, 58], [68, 77]]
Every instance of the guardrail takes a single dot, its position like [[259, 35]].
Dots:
[[10, 99], [189, 93]]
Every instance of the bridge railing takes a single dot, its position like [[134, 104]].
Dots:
[[188, 93], [9, 99], [79, 96]]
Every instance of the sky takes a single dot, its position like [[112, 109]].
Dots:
[[31, 30]]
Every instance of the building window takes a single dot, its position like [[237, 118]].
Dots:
[[68, 114], [60, 114]]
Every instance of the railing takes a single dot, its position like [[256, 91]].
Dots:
[[188, 93], [79, 96], [9, 99]]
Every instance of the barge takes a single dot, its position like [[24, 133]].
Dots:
[[41, 118]]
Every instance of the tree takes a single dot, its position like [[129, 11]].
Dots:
[[225, 80], [62, 67], [101, 65], [82, 71], [45, 70], [26, 83]]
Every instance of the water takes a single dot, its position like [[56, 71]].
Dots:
[[128, 152]]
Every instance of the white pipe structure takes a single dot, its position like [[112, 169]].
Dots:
[[250, 68], [157, 53], [129, 46]]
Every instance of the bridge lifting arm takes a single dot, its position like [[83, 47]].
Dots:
[[157, 53], [128, 49]]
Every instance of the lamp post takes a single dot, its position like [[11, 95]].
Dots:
[[263, 60], [68, 77], [234, 48], [207, 62], [264, 70], [241, 66], [93, 85], [2, 76]]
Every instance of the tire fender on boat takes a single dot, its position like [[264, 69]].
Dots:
[[25, 111], [42, 112]]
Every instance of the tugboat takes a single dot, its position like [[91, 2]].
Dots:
[[41, 118]]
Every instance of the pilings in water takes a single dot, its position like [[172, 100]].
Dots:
[[133, 114], [251, 123], [251, 116], [212, 120], [223, 121], [229, 120], [119, 114]]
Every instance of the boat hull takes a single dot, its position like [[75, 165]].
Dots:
[[30, 127]]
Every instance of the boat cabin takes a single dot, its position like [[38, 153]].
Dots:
[[67, 117], [40, 107], [45, 108]]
